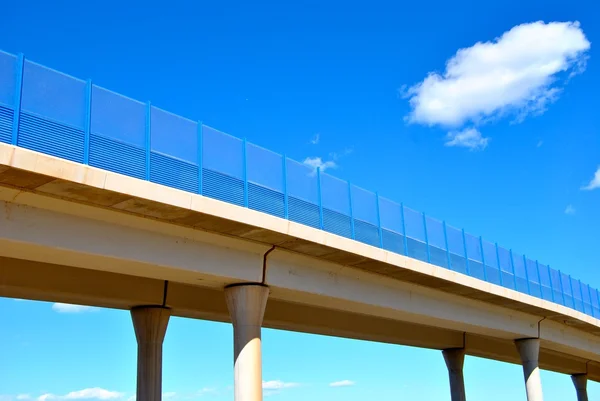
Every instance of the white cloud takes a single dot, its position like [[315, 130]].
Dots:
[[96, 393], [570, 210], [342, 383], [519, 73], [317, 162], [539, 144], [23, 397], [278, 385], [594, 183], [468, 138], [70, 308], [315, 139]]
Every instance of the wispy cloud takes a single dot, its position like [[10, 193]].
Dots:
[[317, 162], [539, 144], [272, 387], [517, 74], [70, 308], [570, 210], [23, 397], [468, 138], [315, 139], [594, 183], [342, 383], [85, 394], [169, 394]]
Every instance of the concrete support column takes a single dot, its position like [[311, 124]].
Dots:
[[455, 360], [150, 324], [529, 350], [246, 304], [580, 382]]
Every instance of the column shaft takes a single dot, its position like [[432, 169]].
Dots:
[[455, 360], [150, 324], [529, 350], [580, 382], [246, 305]]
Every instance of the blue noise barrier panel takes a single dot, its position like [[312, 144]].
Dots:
[[6, 122], [53, 113], [364, 212], [456, 248], [303, 193], [118, 133], [223, 166], [436, 239], [7, 95], [392, 226], [335, 198], [264, 171], [491, 262]]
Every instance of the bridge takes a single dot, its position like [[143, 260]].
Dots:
[[115, 203]]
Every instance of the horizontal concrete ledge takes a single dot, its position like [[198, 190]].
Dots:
[[56, 283], [23, 172]]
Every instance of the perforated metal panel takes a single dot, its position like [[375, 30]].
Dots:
[[173, 136], [473, 246], [520, 273], [364, 213], [437, 242], [335, 198], [391, 223], [456, 247], [545, 282], [302, 194], [508, 278], [223, 166], [555, 280], [565, 281], [8, 67], [587, 303], [535, 288], [491, 262], [265, 180], [577, 298]]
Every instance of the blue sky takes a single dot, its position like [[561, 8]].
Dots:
[[500, 138]]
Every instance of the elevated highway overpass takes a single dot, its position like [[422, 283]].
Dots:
[[96, 223]]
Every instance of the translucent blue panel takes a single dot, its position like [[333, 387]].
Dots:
[[456, 247], [302, 182], [587, 302], [264, 167], [364, 205], [173, 136], [53, 95], [595, 303], [393, 241], [335, 194], [437, 242], [520, 273], [535, 288], [222, 153], [556, 286], [491, 262], [577, 299], [265, 200], [489, 254], [473, 247], [119, 157], [335, 198], [391, 215], [118, 117], [565, 282], [415, 227], [545, 282], [474, 254], [415, 234], [366, 232], [303, 192], [506, 270], [7, 78]]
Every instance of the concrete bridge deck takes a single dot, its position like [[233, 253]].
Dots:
[[77, 234]]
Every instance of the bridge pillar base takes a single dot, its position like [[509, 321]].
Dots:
[[580, 382], [246, 304], [150, 324], [529, 350], [455, 360]]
